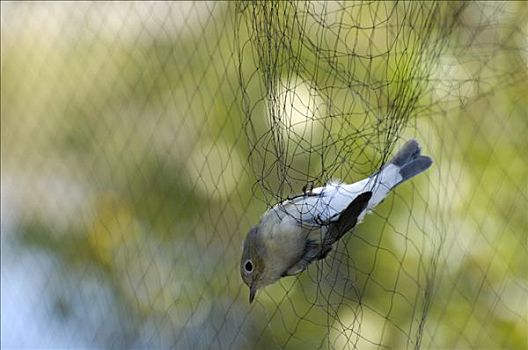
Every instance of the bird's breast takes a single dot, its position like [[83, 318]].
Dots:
[[283, 238]]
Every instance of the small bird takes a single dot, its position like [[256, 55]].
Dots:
[[296, 232]]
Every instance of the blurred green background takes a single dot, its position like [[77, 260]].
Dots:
[[140, 142]]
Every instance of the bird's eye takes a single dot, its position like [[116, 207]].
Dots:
[[248, 266]]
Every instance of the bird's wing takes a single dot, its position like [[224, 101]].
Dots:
[[319, 242], [322, 205], [347, 219]]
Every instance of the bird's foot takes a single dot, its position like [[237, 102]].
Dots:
[[307, 189]]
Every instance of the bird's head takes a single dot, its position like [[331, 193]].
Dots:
[[252, 265]]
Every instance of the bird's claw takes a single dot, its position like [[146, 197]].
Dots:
[[307, 188]]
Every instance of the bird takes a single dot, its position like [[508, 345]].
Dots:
[[300, 230]]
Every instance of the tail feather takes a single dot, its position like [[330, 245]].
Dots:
[[409, 152], [414, 167], [409, 161]]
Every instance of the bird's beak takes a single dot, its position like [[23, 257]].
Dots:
[[252, 292]]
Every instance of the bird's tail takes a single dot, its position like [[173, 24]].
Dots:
[[407, 163]]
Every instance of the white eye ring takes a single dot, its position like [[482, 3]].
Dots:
[[248, 266]]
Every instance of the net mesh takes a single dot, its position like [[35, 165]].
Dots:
[[140, 142]]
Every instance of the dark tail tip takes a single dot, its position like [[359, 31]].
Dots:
[[415, 167], [409, 152]]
